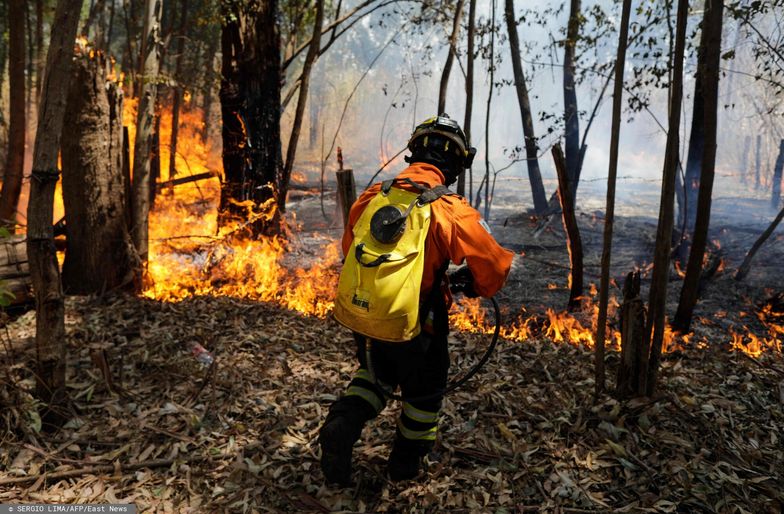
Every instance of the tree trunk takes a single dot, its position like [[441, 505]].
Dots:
[[657, 299], [469, 88], [144, 127], [40, 55], [777, 171], [531, 148], [209, 80], [250, 109], [491, 65], [450, 57], [696, 151], [571, 114], [99, 255], [310, 58], [3, 59], [604, 287], [574, 243], [176, 103], [633, 341], [711, 26], [757, 163], [45, 273], [14, 167], [744, 160]]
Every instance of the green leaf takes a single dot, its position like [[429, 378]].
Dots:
[[35, 420]]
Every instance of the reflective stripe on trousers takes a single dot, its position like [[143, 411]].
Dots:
[[362, 385], [416, 424]]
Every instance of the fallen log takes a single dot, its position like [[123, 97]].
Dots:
[[184, 180], [744, 268]]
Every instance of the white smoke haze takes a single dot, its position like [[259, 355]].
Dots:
[[401, 88]]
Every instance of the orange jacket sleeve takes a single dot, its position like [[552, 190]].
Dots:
[[470, 241]]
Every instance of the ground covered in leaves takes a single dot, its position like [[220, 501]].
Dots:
[[155, 428]]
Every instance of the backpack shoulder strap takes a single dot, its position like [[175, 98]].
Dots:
[[434, 193]]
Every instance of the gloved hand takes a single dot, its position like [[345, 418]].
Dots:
[[462, 281]]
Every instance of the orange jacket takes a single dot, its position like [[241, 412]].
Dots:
[[455, 233]]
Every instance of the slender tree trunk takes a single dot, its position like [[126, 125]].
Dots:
[[3, 58], [176, 103], [450, 57], [310, 58], [744, 160], [40, 55], [574, 243], [144, 127], [531, 148], [31, 53], [711, 26], [44, 270], [209, 82], [571, 113], [777, 172], [12, 180], [250, 108], [757, 163], [491, 64], [469, 87], [657, 302], [93, 188], [604, 287], [110, 29], [696, 150]]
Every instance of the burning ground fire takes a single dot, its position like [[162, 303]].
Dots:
[[190, 256]]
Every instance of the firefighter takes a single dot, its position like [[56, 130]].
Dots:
[[419, 367]]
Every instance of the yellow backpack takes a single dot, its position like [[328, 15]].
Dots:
[[378, 290]]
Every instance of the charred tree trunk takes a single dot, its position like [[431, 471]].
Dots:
[[531, 148], [574, 243], [469, 88], [310, 58], [99, 255], [44, 270], [633, 342], [176, 103], [745, 267], [604, 287], [777, 171], [711, 26], [571, 114], [250, 108], [450, 57], [14, 167], [142, 148], [657, 300]]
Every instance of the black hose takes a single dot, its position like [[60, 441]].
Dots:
[[454, 385]]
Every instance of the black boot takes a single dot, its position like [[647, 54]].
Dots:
[[337, 436], [405, 461]]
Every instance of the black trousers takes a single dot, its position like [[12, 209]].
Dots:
[[418, 368]]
